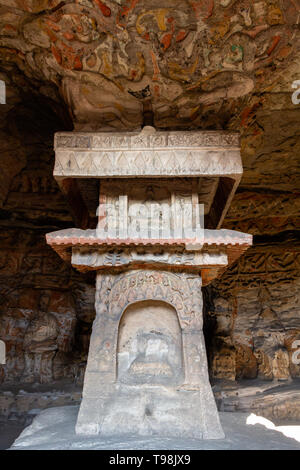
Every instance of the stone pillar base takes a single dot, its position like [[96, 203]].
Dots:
[[151, 411], [147, 367]]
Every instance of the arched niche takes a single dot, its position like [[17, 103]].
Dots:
[[149, 348]]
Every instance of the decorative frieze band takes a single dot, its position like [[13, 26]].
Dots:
[[143, 154], [97, 259], [96, 164], [140, 141]]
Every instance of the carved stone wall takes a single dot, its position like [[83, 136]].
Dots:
[[29, 270], [224, 65], [28, 267], [254, 315]]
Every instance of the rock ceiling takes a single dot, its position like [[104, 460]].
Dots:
[[202, 64], [188, 60]]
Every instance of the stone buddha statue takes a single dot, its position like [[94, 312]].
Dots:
[[152, 362], [40, 344]]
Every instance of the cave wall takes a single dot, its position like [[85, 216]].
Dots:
[[32, 205], [251, 313], [253, 310], [202, 64]]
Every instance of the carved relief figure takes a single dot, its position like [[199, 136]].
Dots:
[[185, 55], [280, 365], [40, 344], [149, 352]]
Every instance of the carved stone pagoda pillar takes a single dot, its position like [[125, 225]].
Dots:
[[160, 199]]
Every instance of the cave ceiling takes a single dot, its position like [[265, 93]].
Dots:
[[190, 59], [195, 64]]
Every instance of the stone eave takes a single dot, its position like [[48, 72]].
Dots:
[[234, 244]]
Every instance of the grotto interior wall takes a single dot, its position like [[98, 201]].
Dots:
[[251, 313], [234, 72], [31, 205]]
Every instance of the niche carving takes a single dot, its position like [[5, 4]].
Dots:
[[150, 344]]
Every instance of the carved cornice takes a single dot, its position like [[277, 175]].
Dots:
[[214, 243], [142, 141], [179, 153]]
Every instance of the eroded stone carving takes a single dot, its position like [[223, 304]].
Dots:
[[151, 352], [98, 259], [147, 346], [133, 154], [140, 141], [40, 344], [124, 355], [187, 56], [260, 330]]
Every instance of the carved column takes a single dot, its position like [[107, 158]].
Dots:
[[147, 367]]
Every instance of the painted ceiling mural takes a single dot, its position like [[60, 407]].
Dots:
[[185, 57]]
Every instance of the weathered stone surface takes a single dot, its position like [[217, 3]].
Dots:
[[85, 258], [147, 349], [23, 405], [277, 403], [40, 344], [195, 255], [28, 268], [259, 307], [148, 153], [188, 58], [265, 204], [209, 161], [242, 432]]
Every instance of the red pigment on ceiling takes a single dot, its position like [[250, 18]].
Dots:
[[275, 41], [105, 10], [203, 8]]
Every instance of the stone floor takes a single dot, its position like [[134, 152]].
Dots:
[[54, 429]]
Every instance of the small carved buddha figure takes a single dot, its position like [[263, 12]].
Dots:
[[264, 365], [149, 346], [40, 344], [281, 364], [152, 357], [223, 315], [224, 363]]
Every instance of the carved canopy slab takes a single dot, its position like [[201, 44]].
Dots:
[[212, 157], [130, 154]]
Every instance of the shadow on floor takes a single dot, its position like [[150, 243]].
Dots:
[[8, 433]]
